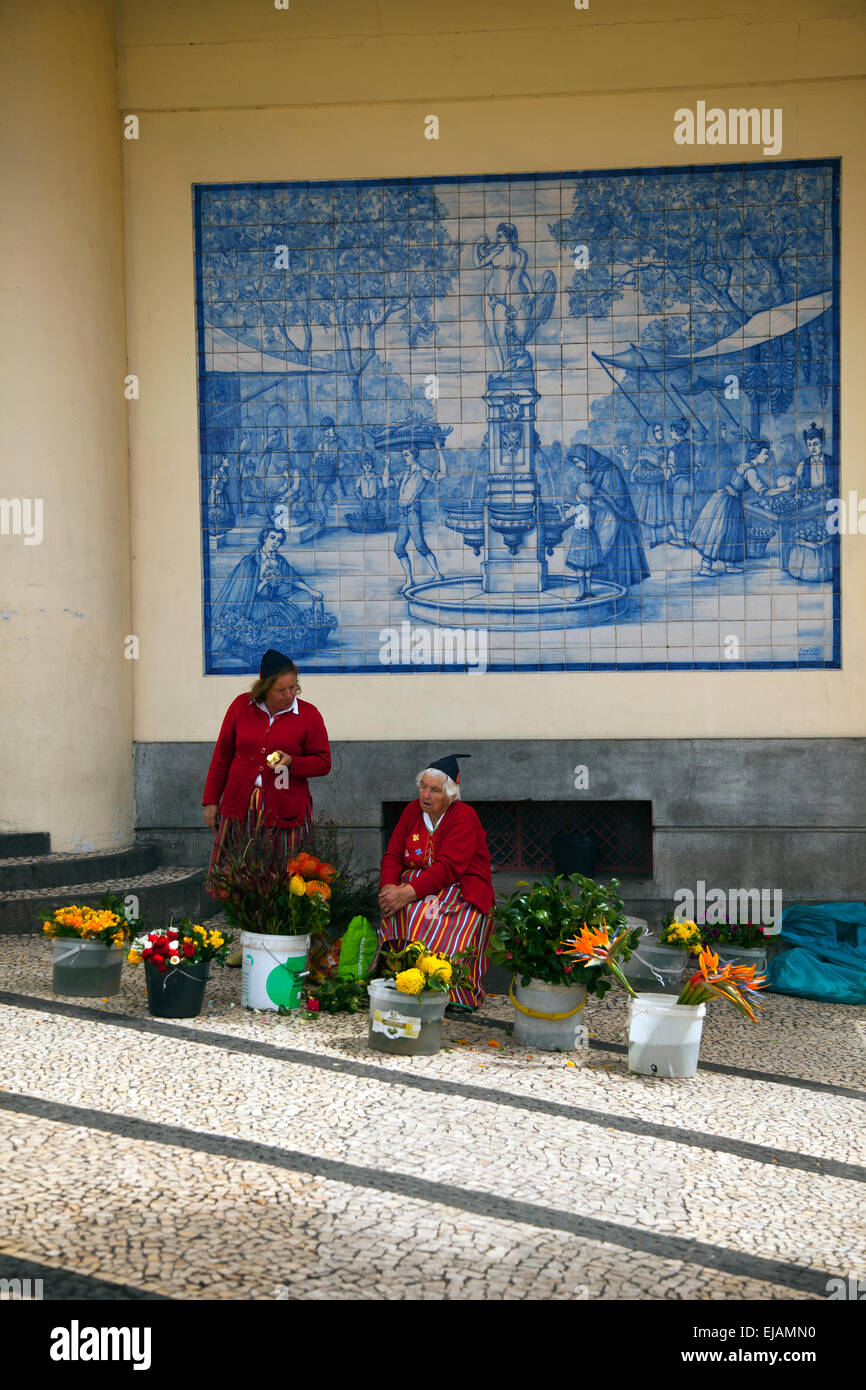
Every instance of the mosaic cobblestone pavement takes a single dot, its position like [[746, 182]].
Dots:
[[307, 1167]]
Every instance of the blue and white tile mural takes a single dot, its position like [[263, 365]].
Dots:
[[550, 421]]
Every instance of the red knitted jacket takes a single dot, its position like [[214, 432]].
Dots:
[[244, 742], [460, 847]]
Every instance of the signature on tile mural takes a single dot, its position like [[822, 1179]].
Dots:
[[593, 415]]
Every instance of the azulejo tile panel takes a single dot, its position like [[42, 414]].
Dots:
[[582, 421]]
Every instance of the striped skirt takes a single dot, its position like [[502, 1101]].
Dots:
[[458, 927], [234, 832]]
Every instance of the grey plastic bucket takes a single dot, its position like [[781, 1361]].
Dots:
[[406, 1025]]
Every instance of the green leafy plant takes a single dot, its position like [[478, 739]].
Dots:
[[537, 920], [748, 935], [336, 996]]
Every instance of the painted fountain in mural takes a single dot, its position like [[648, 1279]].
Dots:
[[515, 526]]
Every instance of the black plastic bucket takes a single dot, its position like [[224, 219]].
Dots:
[[574, 854], [178, 991]]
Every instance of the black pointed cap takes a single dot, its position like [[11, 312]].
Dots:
[[274, 662], [449, 766]]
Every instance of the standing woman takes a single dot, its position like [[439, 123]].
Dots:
[[719, 534], [245, 792]]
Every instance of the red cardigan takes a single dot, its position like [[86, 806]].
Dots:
[[244, 742], [460, 849]]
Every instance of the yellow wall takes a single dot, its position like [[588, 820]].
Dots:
[[65, 687], [240, 91]]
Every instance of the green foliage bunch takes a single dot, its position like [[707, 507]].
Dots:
[[535, 922]]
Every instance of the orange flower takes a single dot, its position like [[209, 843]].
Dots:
[[593, 946], [316, 888], [307, 864], [293, 866], [327, 872], [738, 983]]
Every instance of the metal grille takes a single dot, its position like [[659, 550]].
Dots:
[[519, 832]]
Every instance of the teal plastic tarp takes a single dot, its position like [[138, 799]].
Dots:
[[827, 959]]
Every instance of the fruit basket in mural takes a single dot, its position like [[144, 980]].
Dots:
[[757, 540], [307, 630]]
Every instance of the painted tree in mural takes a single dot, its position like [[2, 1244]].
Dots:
[[701, 252], [354, 257]]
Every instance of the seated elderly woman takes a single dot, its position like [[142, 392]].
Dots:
[[435, 885]]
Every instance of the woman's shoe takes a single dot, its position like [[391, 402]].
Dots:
[[234, 960]]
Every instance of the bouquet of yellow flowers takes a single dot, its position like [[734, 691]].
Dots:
[[99, 923], [685, 934], [415, 970]]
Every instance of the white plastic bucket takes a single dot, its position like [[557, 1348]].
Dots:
[[406, 1025], [655, 969], [664, 1038], [273, 968], [550, 1034]]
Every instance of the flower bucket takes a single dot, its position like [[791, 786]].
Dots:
[[177, 991], [273, 967], [86, 969], [655, 969], [548, 1018], [664, 1038], [406, 1025]]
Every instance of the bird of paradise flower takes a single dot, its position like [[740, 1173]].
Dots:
[[739, 983], [593, 946]]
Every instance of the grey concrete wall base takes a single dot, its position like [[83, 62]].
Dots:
[[774, 814]]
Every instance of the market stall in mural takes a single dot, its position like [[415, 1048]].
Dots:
[[581, 421]]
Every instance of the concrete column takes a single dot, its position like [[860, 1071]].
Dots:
[[65, 685]]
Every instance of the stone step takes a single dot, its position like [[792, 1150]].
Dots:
[[24, 842], [172, 891], [37, 871]]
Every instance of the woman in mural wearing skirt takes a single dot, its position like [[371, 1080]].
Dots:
[[270, 745], [648, 474], [436, 885], [719, 534]]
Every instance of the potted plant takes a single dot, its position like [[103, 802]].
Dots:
[[88, 948], [533, 927], [407, 1005], [276, 914], [177, 964]]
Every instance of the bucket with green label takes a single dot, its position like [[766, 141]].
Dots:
[[274, 968]]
